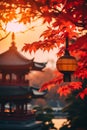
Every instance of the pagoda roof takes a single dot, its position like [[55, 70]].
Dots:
[[13, 57]]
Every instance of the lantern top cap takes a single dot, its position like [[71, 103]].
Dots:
[[67, 57]]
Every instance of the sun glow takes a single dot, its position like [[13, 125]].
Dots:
[[15, 26]]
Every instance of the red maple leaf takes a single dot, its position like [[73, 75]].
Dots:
[[75, 85], [83, 93], [51, 83], [64, 90]]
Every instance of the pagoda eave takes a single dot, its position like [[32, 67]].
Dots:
[[19, 93]]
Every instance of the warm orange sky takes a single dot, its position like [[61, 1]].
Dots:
[[29, 37]]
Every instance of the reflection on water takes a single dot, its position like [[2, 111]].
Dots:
[[58, 122]]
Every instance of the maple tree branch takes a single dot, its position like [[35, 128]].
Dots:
[[5, 36]]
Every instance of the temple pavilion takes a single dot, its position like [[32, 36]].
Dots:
[[15, 92]]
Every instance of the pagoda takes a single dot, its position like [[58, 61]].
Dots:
[[15, 92]]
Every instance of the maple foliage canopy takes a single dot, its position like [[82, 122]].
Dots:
[[63, 16]]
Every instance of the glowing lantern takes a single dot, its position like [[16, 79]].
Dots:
[[66, 64]]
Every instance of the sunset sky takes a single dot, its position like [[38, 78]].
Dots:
[[33, 34]]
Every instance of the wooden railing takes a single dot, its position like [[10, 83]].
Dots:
[[14, 83]]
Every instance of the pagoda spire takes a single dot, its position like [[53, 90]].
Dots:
[[13, 36], [13, 46]]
